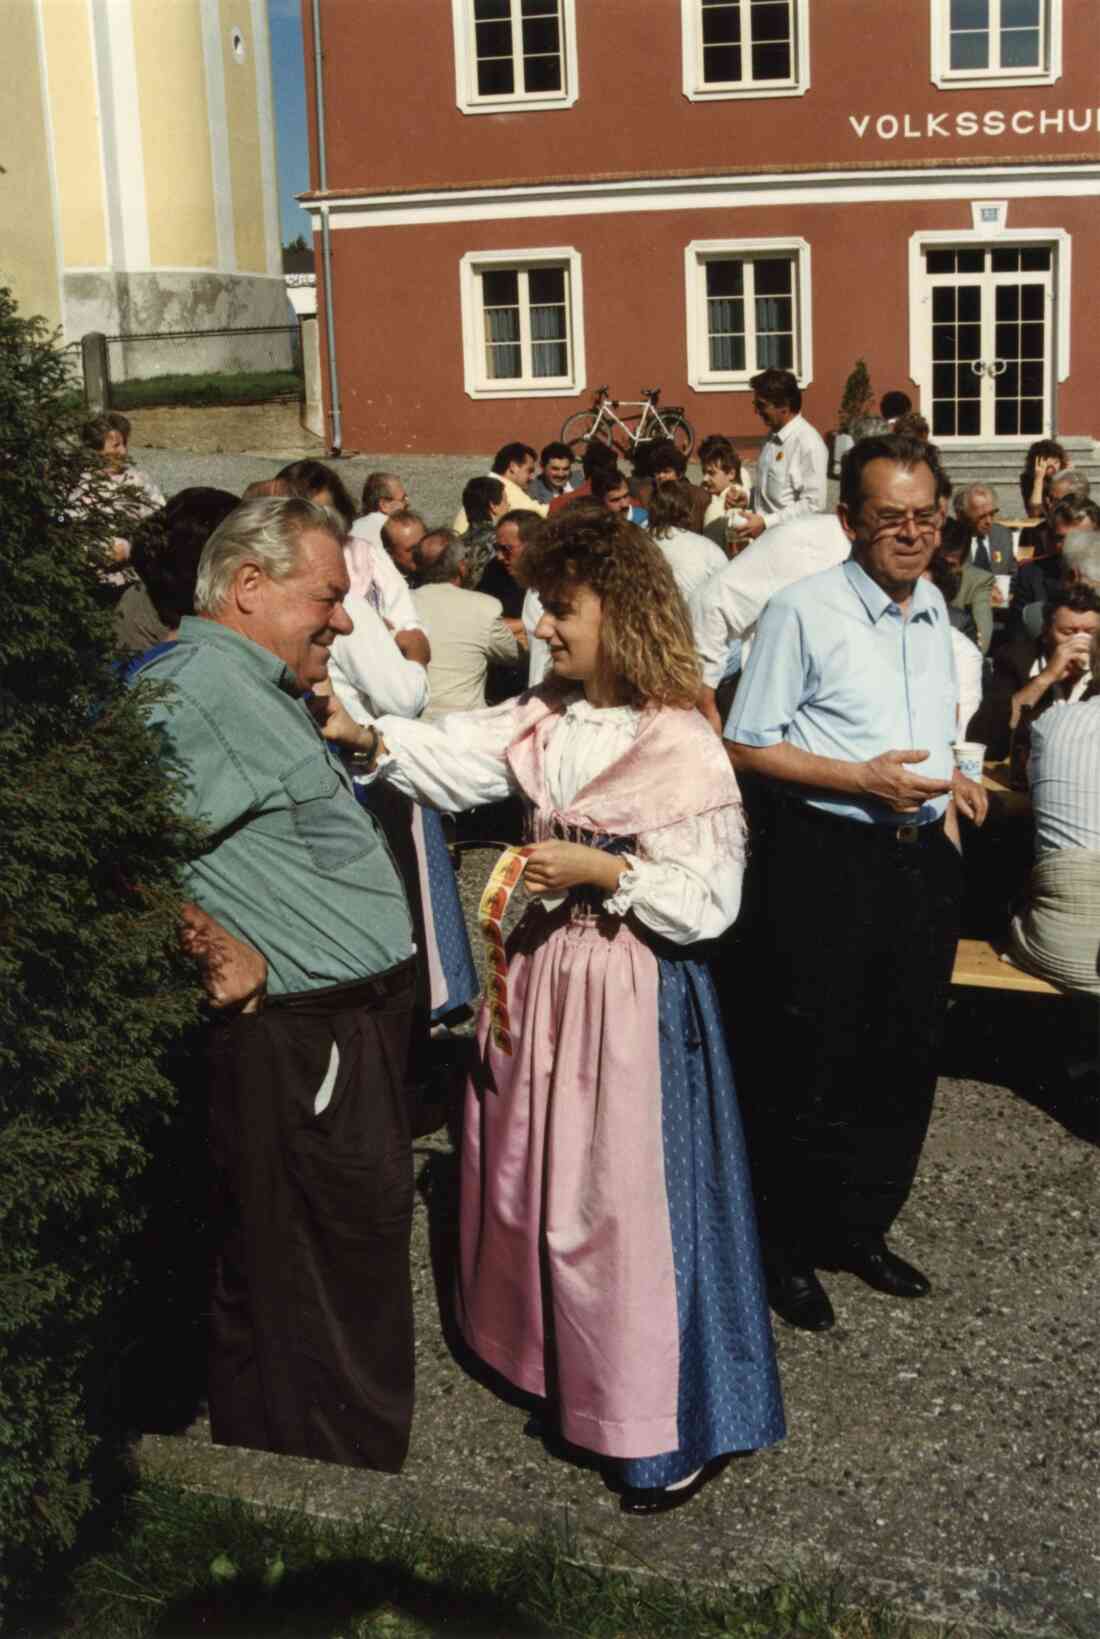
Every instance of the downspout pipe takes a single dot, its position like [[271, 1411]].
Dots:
[[326, 237]]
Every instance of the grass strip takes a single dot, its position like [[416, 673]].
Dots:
[[211, 387], [180, 1564]]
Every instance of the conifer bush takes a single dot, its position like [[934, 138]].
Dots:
[[93, 986]]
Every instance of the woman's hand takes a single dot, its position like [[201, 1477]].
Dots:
[[554, 867]]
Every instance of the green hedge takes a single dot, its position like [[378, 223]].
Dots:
[[92, 984]]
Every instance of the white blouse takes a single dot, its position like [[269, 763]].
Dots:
[[684, 882]]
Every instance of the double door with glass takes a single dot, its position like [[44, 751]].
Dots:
[[991, 318]]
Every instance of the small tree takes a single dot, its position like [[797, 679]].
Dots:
[[92, 984], [858, 399]]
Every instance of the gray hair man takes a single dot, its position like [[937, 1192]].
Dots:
[[467, 629], [301, 930], [975, 533]]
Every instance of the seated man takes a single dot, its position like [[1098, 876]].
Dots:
[[383, 494], [970, 603], [692, 558], [514, 534], [610, 488], [483, 503], [1036, 582], [1057, 933], [467, 629], [596, 455], [514, 465], [1032, 674], [728, 498], [974, 533], [556, 477]]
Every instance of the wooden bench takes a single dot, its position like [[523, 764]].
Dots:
[[978, 966]]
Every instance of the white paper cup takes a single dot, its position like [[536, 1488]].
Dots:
[[969, 758]]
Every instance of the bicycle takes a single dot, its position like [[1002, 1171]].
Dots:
[[625, 434]]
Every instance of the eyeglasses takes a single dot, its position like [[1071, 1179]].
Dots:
[[925, 521]]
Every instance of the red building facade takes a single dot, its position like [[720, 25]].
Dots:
[[529, 198]]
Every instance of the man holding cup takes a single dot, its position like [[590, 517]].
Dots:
[[848, 706]]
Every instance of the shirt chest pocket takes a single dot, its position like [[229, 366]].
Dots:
[[327, 820]]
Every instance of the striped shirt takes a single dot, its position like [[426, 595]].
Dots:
[[1064, 772]]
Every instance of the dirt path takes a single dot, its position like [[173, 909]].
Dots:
[[267, 429]]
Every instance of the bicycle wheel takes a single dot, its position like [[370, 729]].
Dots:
[[577, 431], [681, 431]]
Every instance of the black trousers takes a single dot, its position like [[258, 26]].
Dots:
[[311, 1332], [858, 934]]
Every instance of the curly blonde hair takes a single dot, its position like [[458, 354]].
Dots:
[[646, 637]]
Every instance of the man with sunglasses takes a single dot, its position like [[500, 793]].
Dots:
[[792, 469], [846, 711]]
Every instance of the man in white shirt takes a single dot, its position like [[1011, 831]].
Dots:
[[374, 574], [467, 629], [791, 474], [514, 465], [383, 494], [726, 608]]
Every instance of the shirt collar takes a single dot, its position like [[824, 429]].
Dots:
[[926, 603], [243, 650], [788, 428]]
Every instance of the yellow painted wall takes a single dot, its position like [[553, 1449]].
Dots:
[[28, 251], [66, 28], [242, 116], [179, 176]]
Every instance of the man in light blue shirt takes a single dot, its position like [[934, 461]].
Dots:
[[847, 711]]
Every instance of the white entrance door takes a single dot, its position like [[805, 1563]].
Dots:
[[991, 341]]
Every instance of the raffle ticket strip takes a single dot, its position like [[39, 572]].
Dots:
[[502, 883]]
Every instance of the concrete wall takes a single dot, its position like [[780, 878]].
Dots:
[[29, 247]]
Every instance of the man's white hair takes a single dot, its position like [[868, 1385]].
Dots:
[[1081, 552], [265, 532], [966, 494]]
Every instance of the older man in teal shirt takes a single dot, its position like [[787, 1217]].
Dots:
[[299, 922]]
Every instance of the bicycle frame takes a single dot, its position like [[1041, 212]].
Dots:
[[650, 417]]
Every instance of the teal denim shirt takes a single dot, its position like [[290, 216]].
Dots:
[[293, 865]]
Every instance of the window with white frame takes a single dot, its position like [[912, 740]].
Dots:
[[748, 309], [522, 323], [745, 48], [996, 42], [515, 54]]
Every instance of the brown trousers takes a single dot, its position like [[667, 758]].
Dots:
[[311, 1334]]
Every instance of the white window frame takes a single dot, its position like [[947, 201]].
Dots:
[[696, 88], [466, 93], [696, 256], [949, 79], [478, 384]]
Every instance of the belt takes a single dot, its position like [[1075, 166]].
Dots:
[[372, 992], [905, 835]]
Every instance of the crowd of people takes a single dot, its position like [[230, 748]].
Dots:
[[700, 708]]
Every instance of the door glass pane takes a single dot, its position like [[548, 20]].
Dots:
[[1008, 302], [939, 261], [1031, 341], [1006, 339], [1005, 261], [943, 380], [1006, 418], [967, 383], [970, 261], [970, 341], [970, 419], [1031, 417], [970, 304], [1031, 379], [943, 418], [1035, 259], [943, 341], [1031, 301], [943, 304]]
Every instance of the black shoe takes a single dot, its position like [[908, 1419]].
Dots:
[[869, 1257], [797, 1296], [658, 1499]]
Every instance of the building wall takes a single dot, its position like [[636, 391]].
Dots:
[[867, 58], [30, 256], [146, 200], [402, 372]]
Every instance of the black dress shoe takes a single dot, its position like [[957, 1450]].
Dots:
[[659, 1499], [798, 1297], [869, 1257]]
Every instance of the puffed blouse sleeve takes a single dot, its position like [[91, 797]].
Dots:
[[454, 763], [685, 880]]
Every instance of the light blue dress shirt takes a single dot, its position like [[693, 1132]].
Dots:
[[837, 670]]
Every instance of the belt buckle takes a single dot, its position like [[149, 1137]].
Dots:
[[907, 834]]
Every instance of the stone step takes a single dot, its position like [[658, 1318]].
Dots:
[[1002, 464]]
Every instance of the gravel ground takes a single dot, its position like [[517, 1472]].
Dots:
[[941, 1453]]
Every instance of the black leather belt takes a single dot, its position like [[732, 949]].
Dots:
[[356, 993], [904, 835]]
